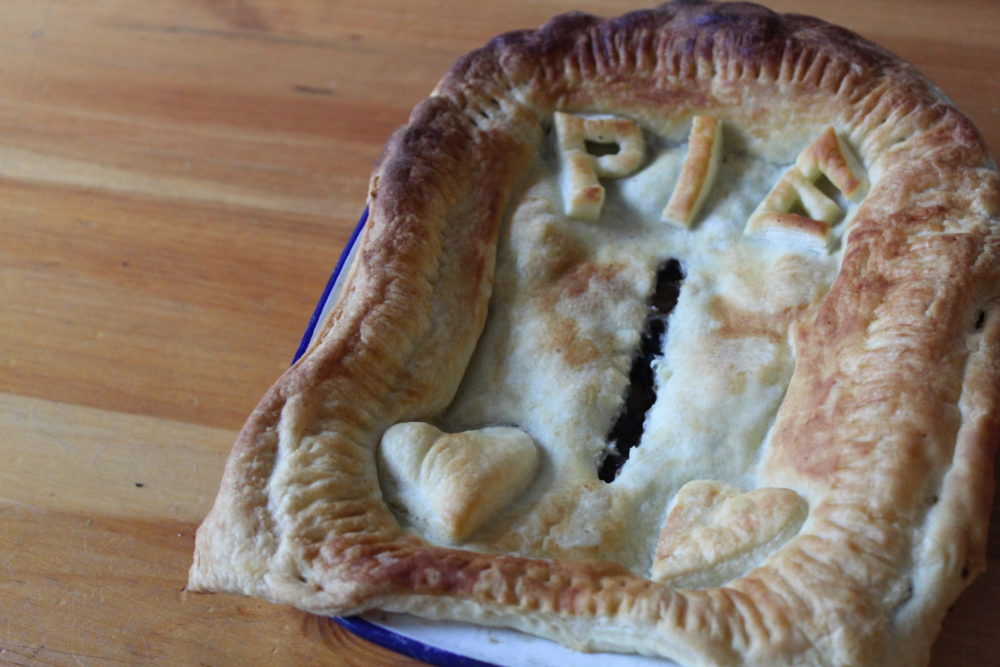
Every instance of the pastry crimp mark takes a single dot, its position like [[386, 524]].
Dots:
[[641, 392]]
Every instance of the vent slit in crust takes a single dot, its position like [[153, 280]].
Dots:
[[641, 392], [980, 320]]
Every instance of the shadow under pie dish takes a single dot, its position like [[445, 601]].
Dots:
[[671, 334]]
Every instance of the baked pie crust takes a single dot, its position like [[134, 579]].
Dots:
[[813, 478]]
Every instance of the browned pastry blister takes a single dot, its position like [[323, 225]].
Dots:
[[813, 476]]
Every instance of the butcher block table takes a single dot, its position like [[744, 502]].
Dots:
[[177, 179]]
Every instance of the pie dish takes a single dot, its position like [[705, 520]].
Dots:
[[670, 334]]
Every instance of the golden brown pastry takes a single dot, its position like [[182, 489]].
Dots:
[[673, 334]]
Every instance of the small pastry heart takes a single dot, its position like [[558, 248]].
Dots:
[[715, 532], [451, 484]]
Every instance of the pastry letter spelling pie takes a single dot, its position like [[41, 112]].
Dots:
[[672, 334]]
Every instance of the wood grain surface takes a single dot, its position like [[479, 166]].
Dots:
[[177, 180]]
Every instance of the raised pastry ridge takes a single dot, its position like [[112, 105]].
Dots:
[[826, 156], [583, 195], [697, 172], [885, 430], [714, 524], [452, 483]]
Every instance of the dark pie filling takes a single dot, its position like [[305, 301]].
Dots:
[[641, 392], [980, 320]]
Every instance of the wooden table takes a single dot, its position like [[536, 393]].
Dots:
[[177, 180]]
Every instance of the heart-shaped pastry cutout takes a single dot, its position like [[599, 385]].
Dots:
[[715, 532], [451, 484]]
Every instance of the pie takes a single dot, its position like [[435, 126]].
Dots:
[[672, 334]]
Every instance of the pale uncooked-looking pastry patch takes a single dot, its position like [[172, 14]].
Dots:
[[726, 348]]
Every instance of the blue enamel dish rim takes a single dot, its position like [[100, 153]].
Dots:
[[363, 628], [341, 264]]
